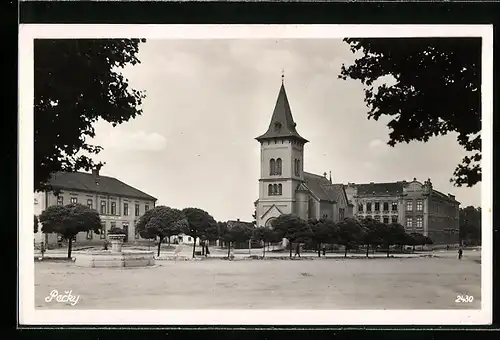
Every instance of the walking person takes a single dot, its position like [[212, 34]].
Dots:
[[297, 250], [59, 241], [460, 253]]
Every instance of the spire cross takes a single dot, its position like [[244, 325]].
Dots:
[[282, 75]]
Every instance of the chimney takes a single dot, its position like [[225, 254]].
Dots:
[[451, 196], [95, 173], [237, 219]]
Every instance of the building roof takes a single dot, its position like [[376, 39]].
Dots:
[[232, 223], [81, 181], [337, 192], [317, 184], [282, 123], [394, 188]]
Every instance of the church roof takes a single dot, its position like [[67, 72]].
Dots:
[[337, 192], [317, 184], [282, 123]]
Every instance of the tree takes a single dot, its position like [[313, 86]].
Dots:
[[70, 220], [373, 233], [198, 223], [322, 231], [238, 232], [291, 227], [350, 233], [393, 233], [76, 83], [470, 225], [35, 230], [162, 222], [436, 89], [266, 235]]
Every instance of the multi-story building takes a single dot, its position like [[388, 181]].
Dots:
[[418, 207], [119, 204]]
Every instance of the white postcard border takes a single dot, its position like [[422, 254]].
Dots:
[[28, 315]]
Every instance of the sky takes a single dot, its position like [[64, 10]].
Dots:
[[207, 100]]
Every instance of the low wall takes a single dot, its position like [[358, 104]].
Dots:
[[108, 259]]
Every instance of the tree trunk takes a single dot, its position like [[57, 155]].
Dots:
[[345, 251], [319, 249], [290, 243], [194, 246], [202, 248], [70, 245], [228, 249], [367, 249], [413, 247], [159, 246], [264, 250], [388, 250]]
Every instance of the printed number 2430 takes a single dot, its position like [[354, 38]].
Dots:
[[464, 298]]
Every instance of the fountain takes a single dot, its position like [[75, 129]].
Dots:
[[116, 257]]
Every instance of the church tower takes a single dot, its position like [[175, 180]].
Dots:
[[281, 165]]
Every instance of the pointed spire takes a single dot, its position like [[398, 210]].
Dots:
[[282, 123]]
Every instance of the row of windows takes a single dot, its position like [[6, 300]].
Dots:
[[274, 189], [420, 205], [385, 205], [275, 167], [282, 141], [394, 206], [103, 206], [419, 222]]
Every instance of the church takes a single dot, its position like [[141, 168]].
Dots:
[[284, 186]]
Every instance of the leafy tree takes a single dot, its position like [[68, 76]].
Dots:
[[35, 230], [436, 90], [351, 233], [198, 223], [266, 235], [470, 225], [162, 222], [238, 232], [373, 233], [76, 83], [393, 233], [69, 220], [291, 227], [322, 231]]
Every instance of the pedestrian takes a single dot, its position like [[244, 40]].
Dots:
[[59, 241], [324, 250], [447, 247], [231, 255], [106, 243], [297, 250], [207, 252], [460, 253]]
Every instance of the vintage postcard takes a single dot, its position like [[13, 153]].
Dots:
[[255, 174]]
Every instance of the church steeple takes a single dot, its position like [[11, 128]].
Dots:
[[282, 123]]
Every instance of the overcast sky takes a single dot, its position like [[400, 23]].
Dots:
[[208, 99]]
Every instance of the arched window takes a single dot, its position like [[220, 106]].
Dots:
[[275, 189], [270, 189], [279, 189], [272, 167], [278, 166]]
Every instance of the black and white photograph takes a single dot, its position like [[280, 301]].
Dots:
[[255, 174]]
